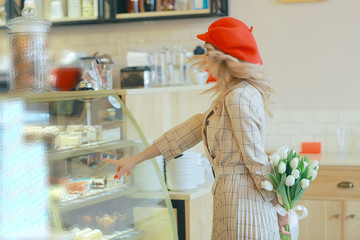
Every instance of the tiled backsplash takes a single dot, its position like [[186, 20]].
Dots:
[[294, 127], [116, 40]]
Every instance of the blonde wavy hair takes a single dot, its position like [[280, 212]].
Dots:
[[230, 72]]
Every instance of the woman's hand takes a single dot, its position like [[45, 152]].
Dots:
[[123, 165], [283, 221]]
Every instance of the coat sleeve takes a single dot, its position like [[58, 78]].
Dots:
[[180, 138], [246, 112]]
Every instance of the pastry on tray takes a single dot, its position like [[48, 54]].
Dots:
[[106, 223], [98, 181]]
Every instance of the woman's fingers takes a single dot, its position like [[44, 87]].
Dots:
[[111, 161], [283, 220], [120, 167], [283, 231]]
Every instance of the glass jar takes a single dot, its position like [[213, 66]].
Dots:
[[133, 6], [91, 74], [30, 61], [104, 65]]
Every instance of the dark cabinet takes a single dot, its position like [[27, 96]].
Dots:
[[76, 12]]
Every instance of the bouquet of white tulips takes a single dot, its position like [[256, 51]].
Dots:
[[290, 178]]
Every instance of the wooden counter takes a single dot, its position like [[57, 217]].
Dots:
[[191, 194], [333, 200], [344, 160], [193, 213]]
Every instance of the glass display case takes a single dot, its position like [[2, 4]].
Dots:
[[78, 130]]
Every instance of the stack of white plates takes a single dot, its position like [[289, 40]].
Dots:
[[181, 173], [201, 164], [145, 176]]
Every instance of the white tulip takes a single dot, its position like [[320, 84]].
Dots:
[[316, 168], [283, 152], [275, 159], [294, 163], [267, 185], [313, 164], [312, 173], [286, 148], [304, 183], [282, 167], [305, 164], [289, 181], [295, 173]]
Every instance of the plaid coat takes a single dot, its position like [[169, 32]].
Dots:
[[234, 144]]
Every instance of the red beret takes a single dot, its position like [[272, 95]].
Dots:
[[233, 37]]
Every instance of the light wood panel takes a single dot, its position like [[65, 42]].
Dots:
[[352, 220], [334, 212], [323, 222], [198, 218], [158, 112], [326, 183]]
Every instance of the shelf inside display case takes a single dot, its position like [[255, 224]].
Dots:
[[95, 196], [66, 95], [128, 234], [88, 149]]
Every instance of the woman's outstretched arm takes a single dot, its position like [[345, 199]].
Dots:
[[124, 165]]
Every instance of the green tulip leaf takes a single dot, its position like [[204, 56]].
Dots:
[[301, 165], [297, 198], [274, 181]]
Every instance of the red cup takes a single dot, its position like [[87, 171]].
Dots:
[[65, 78]]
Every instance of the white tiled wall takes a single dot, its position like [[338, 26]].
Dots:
[[117, 39], [286, 127], [294, 127]]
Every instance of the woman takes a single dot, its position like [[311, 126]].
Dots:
[[233, 133]]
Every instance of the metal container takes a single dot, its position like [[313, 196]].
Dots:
[[135, 77], [30, 61]]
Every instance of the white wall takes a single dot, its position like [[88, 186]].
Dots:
[[310, 49]]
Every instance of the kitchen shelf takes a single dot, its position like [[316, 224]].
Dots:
[[79, 19], [107, 13], [161, 14], [88, 149], [147, 195], [105, 195]]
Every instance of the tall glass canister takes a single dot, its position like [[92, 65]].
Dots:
[[30, 60]]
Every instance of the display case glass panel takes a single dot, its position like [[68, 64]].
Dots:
[[78, 130]]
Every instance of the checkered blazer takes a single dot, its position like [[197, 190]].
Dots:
[[233, 136]]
